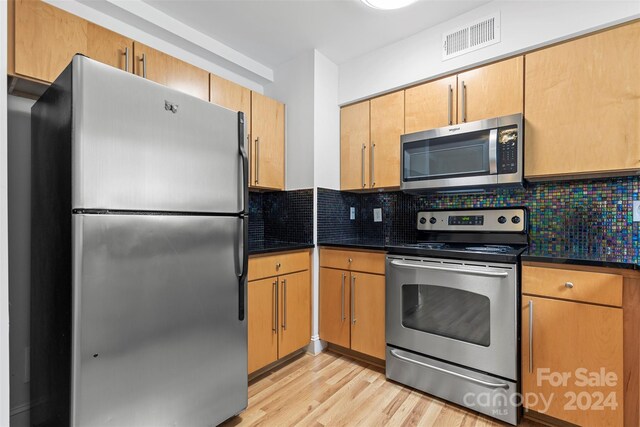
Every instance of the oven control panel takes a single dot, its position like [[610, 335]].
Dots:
[[496, 220]]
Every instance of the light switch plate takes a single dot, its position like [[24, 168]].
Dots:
[[636, 211], [377, 215], [352, 213]]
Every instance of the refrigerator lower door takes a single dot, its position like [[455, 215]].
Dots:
[[157, 339]]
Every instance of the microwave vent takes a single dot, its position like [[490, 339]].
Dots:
[[474, 36]]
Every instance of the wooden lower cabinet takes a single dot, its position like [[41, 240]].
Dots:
[[367, 317], [261, 323], [572, 341], [278, 311], [294, 312], [352, 303]]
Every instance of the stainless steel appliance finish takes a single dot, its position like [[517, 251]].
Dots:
[[138, 145], [452, 308], [139, 254], [456, 384], [156, 336], [465, 157], [462, 312]]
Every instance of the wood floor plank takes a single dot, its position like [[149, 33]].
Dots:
[[335, 390]]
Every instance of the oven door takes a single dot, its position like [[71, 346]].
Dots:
[[461, 312]]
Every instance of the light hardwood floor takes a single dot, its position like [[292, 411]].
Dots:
[[335, 390]]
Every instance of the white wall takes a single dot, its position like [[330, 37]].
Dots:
[[293, 85], [4, 256], [326, 124], [524, 25]]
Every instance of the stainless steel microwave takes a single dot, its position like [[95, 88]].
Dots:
[[468, 157]]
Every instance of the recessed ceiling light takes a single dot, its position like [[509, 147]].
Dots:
[[388, 4]]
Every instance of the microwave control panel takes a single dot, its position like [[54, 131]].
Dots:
[[508, 150]]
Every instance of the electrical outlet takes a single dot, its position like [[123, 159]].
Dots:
[[636, 211], [352, 213], [377, 215]]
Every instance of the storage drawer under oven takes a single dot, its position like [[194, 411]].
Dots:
[[459, 311]]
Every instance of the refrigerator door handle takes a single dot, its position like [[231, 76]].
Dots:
[[245, 163], [242, 277]]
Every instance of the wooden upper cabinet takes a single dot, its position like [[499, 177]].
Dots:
[[354, 143], [170, 71], [235, 97], [491, 91], [431, 105], [109, 48], [45, 39], [387, 124], [568, 336], [582, 106], [267, 148], [230, 95]]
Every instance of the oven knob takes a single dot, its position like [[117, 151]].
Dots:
[[502, 219], [423, 220], [432, 220], [515, 219]]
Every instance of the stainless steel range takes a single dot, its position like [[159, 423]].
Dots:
[[451, 308]]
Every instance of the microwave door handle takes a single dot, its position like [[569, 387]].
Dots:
[[451, 269], [450, 103], [493, 151]]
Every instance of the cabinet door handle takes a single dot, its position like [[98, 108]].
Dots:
[[464, 102], [373, 162], [530, 336], [257, 160], [342, 298], [126, 59], [363, 148], [353, 299], [143, 59], [449, 105], [284, 304], [274, 324]]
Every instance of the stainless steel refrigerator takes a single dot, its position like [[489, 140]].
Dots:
[[139, 254]]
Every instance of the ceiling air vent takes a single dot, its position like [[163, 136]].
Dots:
[[478, 34]]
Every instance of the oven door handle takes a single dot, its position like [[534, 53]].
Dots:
[[452, 270], [505, 386]]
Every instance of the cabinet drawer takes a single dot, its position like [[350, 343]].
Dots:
[[370, 262], [588, 286], [277, 264]]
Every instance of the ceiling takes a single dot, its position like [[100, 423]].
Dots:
[[275, 31]]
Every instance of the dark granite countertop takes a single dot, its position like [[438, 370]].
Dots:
[[574, 259], [372, 244], [266, 246]]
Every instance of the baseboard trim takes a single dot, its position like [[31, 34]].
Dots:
[[357, 355], [316, 346]]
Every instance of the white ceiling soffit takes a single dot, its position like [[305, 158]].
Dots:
[[115, 18], [161, 19]]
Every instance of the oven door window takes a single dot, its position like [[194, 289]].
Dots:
[[452, 313], [447, 157]]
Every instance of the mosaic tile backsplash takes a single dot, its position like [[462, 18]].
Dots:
[[590, 219], [281, 216]]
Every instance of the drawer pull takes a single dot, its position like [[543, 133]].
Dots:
[[568, 285], [350, 260], [278, 265]]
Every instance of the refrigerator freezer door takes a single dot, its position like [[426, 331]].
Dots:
[[141, 146], [157, 339]]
